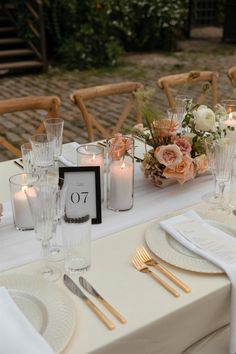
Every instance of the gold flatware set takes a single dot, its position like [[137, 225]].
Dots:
[[142, 260]]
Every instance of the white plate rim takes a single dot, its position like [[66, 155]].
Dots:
[[157, 241], [60, 309]]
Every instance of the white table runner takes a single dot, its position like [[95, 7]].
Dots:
[[20, 247]]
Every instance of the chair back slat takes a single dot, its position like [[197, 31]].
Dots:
[[232, 75], [50, 104], [167, 82], [92, 123]]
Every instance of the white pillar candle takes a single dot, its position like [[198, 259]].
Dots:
[[94, 160], [23, 216], [121, 185]]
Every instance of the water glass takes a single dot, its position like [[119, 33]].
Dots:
[[76, 236], [43, 149], [19, 184], [54, 130], [120, 174], [92, 155], [27, 157]]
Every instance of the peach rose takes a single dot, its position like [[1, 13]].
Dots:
[[165, 127], [168, 155], [200, 163], [118, 147], [181, 172]]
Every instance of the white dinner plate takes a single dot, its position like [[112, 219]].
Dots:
[[171, 251], [45, 305]]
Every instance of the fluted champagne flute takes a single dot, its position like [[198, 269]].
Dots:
[[212, 197], [42, 201], [224, 157]]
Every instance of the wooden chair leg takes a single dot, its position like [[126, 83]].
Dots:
[[10, 147]]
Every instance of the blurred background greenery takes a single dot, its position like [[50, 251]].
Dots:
[[94, 33]]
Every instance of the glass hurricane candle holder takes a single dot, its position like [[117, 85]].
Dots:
[[92, 155], [230, 112], [19, 184], [120, 174]]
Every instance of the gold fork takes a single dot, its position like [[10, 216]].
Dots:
[[141, 267], [147, 259]]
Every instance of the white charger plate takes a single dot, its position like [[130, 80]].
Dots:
[[45, 305], [171, 251]]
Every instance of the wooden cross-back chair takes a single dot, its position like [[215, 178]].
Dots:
[[50, 104], [79, 97], [167, 82], [232, 75]]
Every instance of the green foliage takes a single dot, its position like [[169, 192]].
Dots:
[[93, 33]]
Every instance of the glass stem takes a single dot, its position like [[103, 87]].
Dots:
[[45, 249], [221, 192], [215, 185]]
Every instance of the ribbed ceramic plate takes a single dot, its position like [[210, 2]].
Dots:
[[45, 305], [171, 251]]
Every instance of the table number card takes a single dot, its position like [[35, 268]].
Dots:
[[83, 192]]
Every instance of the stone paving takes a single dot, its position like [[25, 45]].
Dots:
[[196, 54]]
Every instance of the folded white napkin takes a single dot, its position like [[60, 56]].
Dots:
[[17, 335], [68, 157], [211, 243]]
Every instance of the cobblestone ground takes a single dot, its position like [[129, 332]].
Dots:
[[146, 68]]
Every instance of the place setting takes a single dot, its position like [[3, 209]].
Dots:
[[46, 201]]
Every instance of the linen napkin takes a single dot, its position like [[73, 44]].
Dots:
[[211, 243], [17, 335], [68, 157]]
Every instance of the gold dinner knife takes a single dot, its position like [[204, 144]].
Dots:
[[87, 286], [77, 291]]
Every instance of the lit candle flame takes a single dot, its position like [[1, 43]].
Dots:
[[93, 156], [123, 164], [24, 188]]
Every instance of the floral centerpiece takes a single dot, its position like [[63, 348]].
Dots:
[[176, 151]]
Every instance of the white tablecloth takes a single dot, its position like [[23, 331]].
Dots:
[[156, 321]]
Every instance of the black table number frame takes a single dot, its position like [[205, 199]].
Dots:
[[84, 190]]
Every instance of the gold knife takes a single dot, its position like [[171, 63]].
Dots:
[[77, 291], [87, 286]]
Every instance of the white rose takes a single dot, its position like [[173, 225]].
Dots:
[[204, 119]]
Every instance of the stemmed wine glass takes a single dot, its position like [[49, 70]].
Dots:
[[42, 201], [54, 130], [55, 248], [212, 197], [224, 150]]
